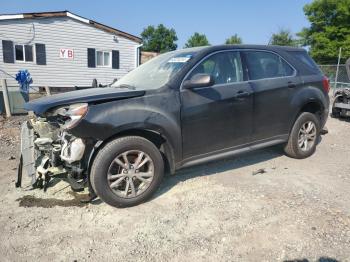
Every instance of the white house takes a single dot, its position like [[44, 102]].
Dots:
[[61, 49]]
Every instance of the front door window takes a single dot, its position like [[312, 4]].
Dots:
[[224, 67]]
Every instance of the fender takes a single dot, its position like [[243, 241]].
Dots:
[[156, 113]]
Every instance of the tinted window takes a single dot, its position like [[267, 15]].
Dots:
[[224, 67], [306, 60], [266, 65]]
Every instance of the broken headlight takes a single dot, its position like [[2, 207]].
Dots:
[[70, 116]]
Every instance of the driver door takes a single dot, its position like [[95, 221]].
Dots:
[[219, 117]]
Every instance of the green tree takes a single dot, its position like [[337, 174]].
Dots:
[[197, 39], [233, 40], [284, 38], [158, 39], [329, 30]]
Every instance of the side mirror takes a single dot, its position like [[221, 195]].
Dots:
[[199, 80]]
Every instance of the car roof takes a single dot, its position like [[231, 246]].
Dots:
[[203, 50], [260, 47], [226, 47]]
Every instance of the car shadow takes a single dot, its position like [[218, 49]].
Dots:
[[212, 168], [219, 166], [319, 140], [321, 259]]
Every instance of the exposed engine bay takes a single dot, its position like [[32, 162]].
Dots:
[[48, 150]]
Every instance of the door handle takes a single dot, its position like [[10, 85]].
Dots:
[[292, 84], [242, 94]]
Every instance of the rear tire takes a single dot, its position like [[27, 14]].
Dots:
[[127, 171], [303, 137]]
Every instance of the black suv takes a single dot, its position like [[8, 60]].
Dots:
[[180, 109]]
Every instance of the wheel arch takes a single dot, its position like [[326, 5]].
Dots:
[[158, 139], [313, 106], [309, 99]]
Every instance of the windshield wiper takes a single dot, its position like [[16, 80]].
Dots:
[[126, 86]]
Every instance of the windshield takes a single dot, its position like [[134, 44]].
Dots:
[[156, 72]]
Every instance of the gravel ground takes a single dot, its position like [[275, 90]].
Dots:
[[292, 210]]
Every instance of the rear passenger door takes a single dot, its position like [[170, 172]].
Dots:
[[273, 81]]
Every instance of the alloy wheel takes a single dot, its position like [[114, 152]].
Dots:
[[130, 173], [307, 136]]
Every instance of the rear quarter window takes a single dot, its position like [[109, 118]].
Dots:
[[304, 58]]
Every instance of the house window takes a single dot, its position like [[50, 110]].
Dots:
[[103, 58], [24, 53]]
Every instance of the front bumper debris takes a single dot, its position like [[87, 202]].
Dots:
[[48, 152], [27, 157]]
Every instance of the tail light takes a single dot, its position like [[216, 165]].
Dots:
[[326, 85]]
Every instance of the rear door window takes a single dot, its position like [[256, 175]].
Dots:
[[263, 65]]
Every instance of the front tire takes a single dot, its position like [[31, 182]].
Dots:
[[127, 171], [303, 137]]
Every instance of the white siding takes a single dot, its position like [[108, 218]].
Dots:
[[65, 32]]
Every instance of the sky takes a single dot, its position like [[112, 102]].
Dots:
[[253, 20]]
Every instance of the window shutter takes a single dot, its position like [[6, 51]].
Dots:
[[7, 51], [115, 59], [91, 54], [40, 51]]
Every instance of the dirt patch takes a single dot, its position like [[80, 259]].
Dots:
[[9, 136], [33, 201]]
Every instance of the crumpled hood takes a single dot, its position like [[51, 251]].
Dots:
[[41, 105]]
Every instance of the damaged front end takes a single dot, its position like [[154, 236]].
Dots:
[[49, 150]]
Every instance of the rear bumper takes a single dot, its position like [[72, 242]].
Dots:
[[342, 106]]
